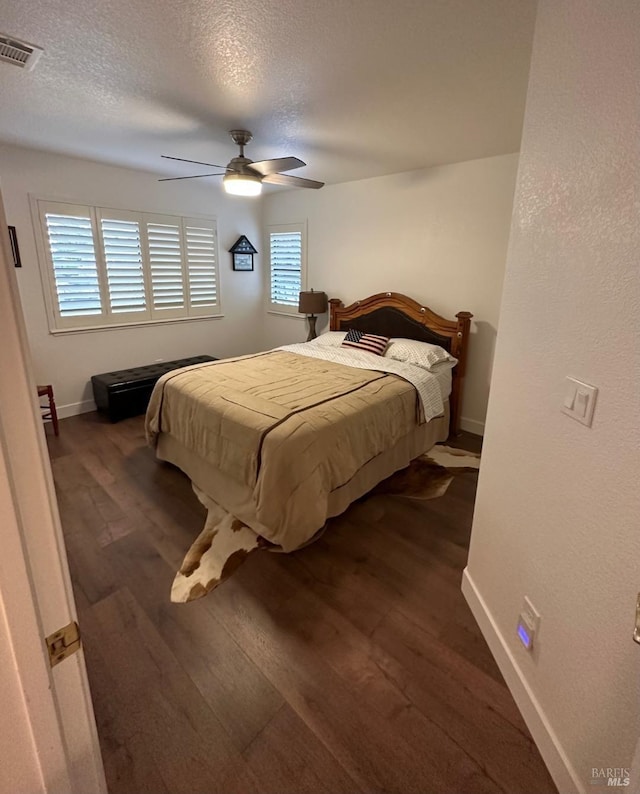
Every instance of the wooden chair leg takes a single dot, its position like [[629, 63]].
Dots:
[[53, 412], [49, 409]]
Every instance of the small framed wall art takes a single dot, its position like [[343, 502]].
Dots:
[[242, 252], [15, 251]]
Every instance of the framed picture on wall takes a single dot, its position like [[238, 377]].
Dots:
[[242, 252], [242, 261], [15, 251]]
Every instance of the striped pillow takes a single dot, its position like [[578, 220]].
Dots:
[[371, 343]]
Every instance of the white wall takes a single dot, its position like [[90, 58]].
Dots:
[[438, 235], [68, 361], [558, 509]]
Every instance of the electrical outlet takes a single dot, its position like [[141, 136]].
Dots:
[[528, 624], [531, 612], [159, 360]]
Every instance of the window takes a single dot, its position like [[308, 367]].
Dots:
[[114, 267], [286, 267]]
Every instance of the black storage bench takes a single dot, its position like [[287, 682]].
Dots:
[[127, 392]]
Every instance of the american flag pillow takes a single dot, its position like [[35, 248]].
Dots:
[[371, 343]]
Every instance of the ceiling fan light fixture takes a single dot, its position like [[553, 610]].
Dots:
[[243, 177], [242, 184]]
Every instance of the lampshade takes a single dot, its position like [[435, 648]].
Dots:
[[242, 184], [312, 302]]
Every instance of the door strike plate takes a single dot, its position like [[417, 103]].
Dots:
[[63, 643]]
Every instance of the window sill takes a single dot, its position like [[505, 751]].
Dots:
[[296, 316], [112, 326]]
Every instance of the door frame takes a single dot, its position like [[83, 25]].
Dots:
[[35, 586]]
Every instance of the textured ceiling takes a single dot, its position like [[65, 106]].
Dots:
[[356, 88]]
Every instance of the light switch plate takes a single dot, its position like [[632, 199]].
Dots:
[[579, 400]]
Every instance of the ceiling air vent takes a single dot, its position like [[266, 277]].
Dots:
[[19, 53]]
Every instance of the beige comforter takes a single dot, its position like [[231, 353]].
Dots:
[[289, 427]]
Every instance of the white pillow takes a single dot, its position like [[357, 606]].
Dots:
[[329, 339], [421, 354]]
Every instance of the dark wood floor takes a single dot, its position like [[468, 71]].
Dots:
[[351, 666]]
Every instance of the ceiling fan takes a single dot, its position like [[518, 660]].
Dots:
[[243, 177]]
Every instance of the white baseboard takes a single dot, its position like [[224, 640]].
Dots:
[[73, 409], [556, 760], [472, 426]]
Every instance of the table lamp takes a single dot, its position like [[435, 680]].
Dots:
[[312, 303]]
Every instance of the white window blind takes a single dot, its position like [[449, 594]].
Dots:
[[286, 259], [112, 267], [201, 248], [73, 263], [122, 249], [166, 264]]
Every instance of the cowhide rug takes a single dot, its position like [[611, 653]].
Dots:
[[225, 542]]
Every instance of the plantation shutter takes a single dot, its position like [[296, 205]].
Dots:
[[286, 260], [200, 248], [123, 261], [73, 269], [106, 267], [166, 265]]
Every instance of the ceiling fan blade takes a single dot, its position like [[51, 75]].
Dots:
[[196, 162], [277, 165], [291, 181], [195, 176]]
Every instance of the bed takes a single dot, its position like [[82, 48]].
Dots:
[[396, 315], [283, 440]]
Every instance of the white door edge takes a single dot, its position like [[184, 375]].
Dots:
[[40, 601]]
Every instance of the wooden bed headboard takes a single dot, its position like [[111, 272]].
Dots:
[[396, 315]]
